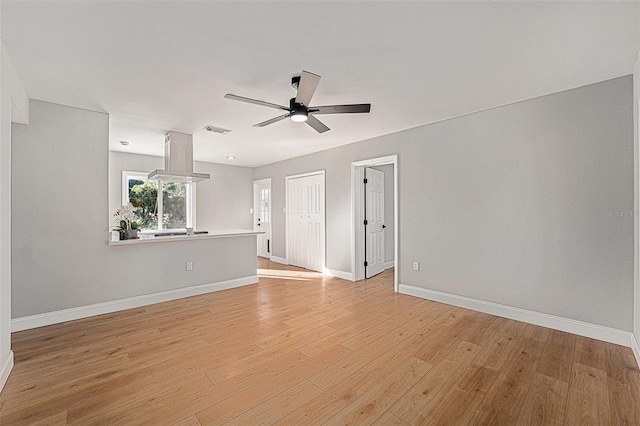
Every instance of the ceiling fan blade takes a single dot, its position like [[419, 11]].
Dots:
[[255, 101], [316, 124], [340, 109], [307, 87], [273, 120]]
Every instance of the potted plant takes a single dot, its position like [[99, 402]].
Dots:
[[128, 225]]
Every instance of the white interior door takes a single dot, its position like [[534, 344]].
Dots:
[[262, 215], [306, 221], [374, 236]]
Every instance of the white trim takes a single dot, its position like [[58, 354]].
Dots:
[[259, 181], [41, 320], [636, 349], [7, 366], [357, 173], [380, 161], [190, 189], [594, 331], [389, 264], [281, 260], [300, 175], [338, 274]]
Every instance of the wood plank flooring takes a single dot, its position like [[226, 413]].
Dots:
[[300, 349]]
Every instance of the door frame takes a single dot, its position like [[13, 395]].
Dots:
[[357, 215], [324, 212], [253, 209]]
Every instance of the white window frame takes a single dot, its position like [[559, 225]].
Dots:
[[190, 192]]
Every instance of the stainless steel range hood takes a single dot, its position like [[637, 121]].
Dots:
[[178, 160]]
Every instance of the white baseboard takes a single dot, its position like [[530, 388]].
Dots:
[[593, 331], [279, 260], [41, 320], [389, 264], [338, 274], [6, 368], [636, 349]]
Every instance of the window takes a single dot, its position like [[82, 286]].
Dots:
[[264, 209], [174, 202]]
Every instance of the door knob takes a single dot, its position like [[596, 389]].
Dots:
[[384, 226]]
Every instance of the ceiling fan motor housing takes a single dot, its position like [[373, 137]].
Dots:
[[299, 112], [294, 106]]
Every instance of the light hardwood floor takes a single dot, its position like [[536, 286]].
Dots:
[[300, 349]]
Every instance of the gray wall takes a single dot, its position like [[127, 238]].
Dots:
[[222, 202], [60, 256], [528, 205], [225, 200]]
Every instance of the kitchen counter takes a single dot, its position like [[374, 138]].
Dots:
[[150, 238]]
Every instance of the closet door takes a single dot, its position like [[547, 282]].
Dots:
[[306, 221]]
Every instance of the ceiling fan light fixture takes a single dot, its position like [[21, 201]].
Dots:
[[299, 116]]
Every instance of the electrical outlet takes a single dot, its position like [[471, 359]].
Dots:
[[189, 266], [250, 211], [416, 266]]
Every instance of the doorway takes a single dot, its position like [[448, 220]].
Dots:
[[305, 215], [262, 216], [360, 239]]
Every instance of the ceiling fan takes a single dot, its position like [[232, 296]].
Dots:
[[299, 109]]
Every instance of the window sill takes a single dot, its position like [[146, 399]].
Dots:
[[150, 239]]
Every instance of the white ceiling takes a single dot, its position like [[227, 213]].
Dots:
[[159, 66]]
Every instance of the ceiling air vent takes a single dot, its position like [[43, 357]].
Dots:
[[215, 129]]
